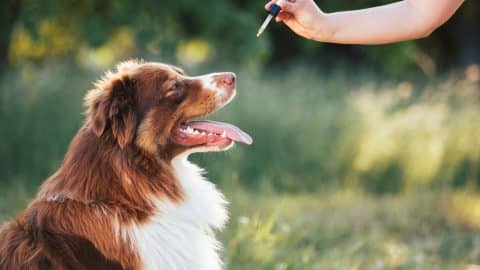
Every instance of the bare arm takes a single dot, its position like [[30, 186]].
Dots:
[[403, 20]]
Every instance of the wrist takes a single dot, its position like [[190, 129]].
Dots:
[[323, 28]]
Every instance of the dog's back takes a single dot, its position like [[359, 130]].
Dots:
[[18, 251], [35, 241]]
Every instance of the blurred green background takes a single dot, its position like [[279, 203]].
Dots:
[[364, 157]]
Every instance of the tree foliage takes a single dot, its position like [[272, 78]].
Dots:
[[158, 28]]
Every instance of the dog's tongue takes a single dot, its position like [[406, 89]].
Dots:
[[233, 132]]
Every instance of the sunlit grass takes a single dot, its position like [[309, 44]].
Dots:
[[349, 230]]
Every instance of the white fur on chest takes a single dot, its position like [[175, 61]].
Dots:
[[180, 236]]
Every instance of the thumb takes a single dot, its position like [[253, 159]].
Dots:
[[287, 5]]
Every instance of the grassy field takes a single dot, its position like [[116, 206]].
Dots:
[[348, 230], [347, 170]]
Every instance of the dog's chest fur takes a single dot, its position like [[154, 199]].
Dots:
[[180, 236]]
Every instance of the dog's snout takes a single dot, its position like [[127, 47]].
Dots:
[[227, 79]]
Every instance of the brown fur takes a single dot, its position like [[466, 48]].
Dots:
[[119, 158]]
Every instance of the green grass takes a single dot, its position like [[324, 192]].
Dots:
[[347, 170], [349, 230]]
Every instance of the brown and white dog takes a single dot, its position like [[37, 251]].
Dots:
[[125, 196]]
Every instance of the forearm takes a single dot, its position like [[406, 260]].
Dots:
[[404, 20]]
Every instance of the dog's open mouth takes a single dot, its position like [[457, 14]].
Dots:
[[209, 133]]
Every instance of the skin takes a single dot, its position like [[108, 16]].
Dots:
[[399, 21]]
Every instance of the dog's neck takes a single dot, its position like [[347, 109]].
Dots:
[[180, 236], [96, 170]]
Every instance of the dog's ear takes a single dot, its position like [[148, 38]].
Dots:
[[115, 111]]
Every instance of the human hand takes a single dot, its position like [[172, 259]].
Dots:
[[304, 17]]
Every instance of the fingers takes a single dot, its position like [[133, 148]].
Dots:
[[283, 16], [267, 6], [287, 5], [287, 9], [279, 17]]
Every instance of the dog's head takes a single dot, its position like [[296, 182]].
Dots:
[[150, 105]]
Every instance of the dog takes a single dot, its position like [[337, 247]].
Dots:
[[125, 196]]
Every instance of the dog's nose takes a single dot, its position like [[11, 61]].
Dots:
[[228, 79]]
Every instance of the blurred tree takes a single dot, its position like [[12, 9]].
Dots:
[[160, 28], [9, 12]]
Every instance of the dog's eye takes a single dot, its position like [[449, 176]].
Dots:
[[175, 86], [175, 90]]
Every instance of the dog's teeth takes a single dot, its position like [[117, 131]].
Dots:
[[224, 134]]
